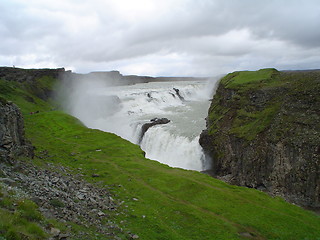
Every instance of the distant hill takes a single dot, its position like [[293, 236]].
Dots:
[[116, 78]]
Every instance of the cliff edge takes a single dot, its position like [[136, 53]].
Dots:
[[263, 131]]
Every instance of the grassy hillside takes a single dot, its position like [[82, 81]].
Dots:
[[158, 202]]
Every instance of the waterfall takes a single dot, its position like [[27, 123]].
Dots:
[[173, 150], [123, 110]]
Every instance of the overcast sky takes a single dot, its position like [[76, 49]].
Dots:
[[160, 37]]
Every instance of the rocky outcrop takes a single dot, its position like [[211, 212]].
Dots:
[[153, 122], [265, 133], [178, 94], [12, 140]]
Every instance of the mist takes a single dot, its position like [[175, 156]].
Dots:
[[120, 104], [87, 99]]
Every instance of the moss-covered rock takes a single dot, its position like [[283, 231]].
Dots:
[[263, 131]]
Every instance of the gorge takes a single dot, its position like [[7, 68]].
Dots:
[[262, 129], [62, 180]]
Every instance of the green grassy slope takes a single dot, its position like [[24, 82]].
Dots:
[[177, 204], [248, 78], [161, 202], [20, 217]]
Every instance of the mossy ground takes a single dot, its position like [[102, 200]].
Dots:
[[20, 217], [160, 202], [248, 79], [242, 116]]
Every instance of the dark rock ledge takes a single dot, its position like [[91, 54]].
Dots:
[[153, 122]]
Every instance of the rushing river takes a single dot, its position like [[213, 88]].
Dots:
[[124, 109]]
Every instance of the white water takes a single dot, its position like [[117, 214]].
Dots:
[[176, 143]]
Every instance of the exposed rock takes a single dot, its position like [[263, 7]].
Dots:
[[55, 232], [267, 136], [153, 122], [63, 236], [246, 235], [12, 139], [66, 198], [8, 181], [178, 94], [100, 214]]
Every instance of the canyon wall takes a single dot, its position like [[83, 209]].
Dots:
[[263, 131]]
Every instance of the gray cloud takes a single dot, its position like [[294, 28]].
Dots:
[[168, 37]]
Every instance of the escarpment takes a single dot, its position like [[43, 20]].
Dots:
[[263, 131]]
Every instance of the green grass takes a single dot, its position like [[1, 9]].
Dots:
[[20, 218], [22, 94], [248, 79], [241, 116], [29, 210], [248, 124], [172, 203]]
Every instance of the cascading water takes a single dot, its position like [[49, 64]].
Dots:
[[124, 109]]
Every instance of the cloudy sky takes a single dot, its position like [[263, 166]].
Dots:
[[160, 37]]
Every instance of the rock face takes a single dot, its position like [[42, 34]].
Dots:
[[153, 122], [178, 94], [12, 139], [263, 131]]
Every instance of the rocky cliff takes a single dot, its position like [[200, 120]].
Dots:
[[12, 140], [27, 88], [263, 131]]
